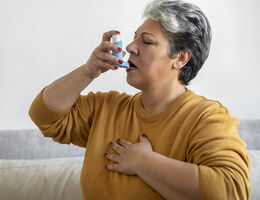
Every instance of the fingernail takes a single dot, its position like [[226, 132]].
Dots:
[[117, 32], [105, 167], [105, 154], [118, 140], [119, 49], [120, 61], [143, 135], [115, 67], [110, 143]]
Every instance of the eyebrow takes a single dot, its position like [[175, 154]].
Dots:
[[143, 33]]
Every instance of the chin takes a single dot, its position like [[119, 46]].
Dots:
[[130, 82], [133, 83]]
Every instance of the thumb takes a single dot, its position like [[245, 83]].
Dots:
[[143, 138]]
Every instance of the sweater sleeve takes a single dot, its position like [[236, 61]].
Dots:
[[69, 126], [221, 155]]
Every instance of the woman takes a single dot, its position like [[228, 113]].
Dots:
[[164, 142]]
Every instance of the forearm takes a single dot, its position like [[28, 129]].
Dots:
[[171, 178], [63, 93]]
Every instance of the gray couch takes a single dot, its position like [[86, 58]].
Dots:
[[35, 167]]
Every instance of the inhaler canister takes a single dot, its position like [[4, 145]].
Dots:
[[117, 40]]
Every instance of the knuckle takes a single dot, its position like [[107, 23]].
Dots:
[[110, 59], [108, 65], [113, 167], [102, 45], [114, 46], [118, 149], [110, 167], [99, 47], [105, 43], [103, 54], [115, 59]]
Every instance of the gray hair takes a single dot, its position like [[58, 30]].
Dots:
[[186, 28]]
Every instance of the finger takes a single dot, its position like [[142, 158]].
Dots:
[[112, 157], [108, 35], [107, 57], [144, 138], [113, 167], [124, 53], [107, 46], [124, 142], [105, 65], [118, 148]]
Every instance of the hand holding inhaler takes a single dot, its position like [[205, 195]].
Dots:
[[101, 59], [117, 40]]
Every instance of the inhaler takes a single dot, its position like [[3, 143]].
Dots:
[[116, 40]]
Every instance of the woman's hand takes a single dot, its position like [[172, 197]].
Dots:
[[128, 155], [101, 59]]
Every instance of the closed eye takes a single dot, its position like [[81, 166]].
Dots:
[[147, 42]]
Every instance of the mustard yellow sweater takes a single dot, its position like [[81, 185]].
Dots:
[[193, 129]]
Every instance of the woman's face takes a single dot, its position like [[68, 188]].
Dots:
[[149, 52]]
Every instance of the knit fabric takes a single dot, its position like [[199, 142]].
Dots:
[[192, 129]]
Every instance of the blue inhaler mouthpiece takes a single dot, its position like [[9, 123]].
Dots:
[[116, 40]]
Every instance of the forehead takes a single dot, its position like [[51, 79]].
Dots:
[[151, 26]]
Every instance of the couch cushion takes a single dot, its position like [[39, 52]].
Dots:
[[46, 179], [31, 144], [255, 174], [249, 131], [59, 178]]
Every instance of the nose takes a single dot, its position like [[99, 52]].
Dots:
[[132, 48]]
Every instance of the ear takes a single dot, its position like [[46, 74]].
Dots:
[[181, 59]]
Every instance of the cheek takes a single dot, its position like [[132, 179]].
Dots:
[[155, 62], [158, 66], [156, 55]]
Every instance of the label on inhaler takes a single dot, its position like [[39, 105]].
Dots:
[[116, 40]]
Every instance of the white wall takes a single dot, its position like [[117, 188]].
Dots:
[[42, 40]]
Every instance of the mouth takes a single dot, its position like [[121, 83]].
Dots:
[[131, 64]]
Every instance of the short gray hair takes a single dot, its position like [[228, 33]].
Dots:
[[187, 29]]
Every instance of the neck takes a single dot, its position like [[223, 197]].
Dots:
[[157, 100]]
